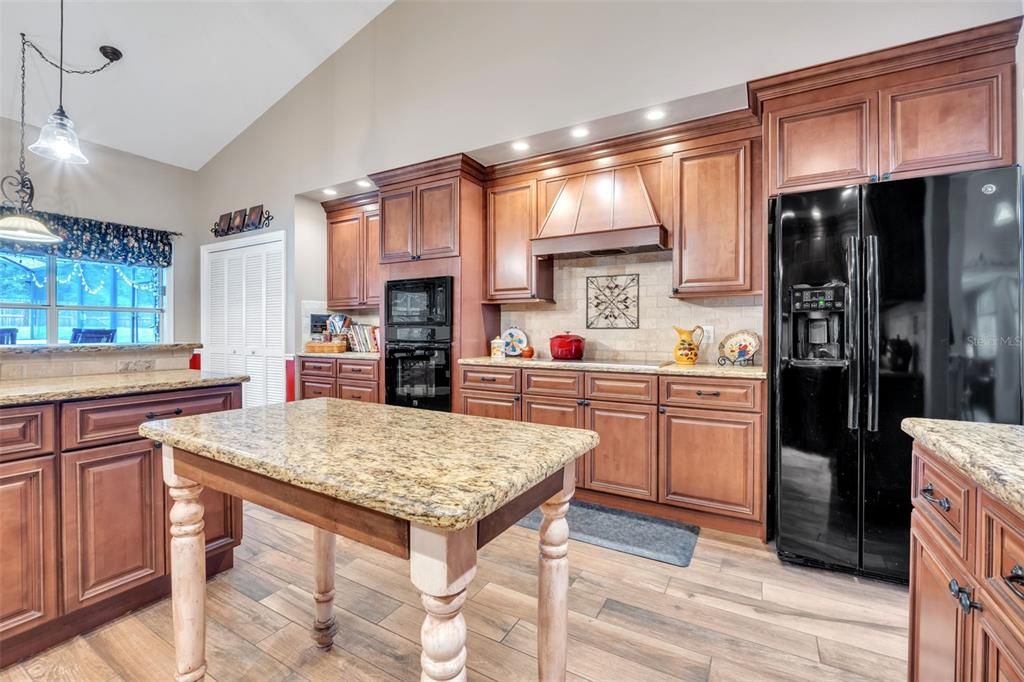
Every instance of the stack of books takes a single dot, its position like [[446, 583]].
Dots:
[[362, 338]]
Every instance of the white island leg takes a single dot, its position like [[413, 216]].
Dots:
[[442, 564], [188, 574], [324, 625], [553, 583]]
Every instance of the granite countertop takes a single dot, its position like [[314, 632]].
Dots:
[[44, 390], [991, 454], [54, 348], [435, 468], [348, 355], [625, 366]]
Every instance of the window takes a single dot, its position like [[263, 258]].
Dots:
[[45, 297]]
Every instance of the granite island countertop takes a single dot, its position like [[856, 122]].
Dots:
[[435, 468], [991, 454], [624, 366], [80, 348], [45, 390]]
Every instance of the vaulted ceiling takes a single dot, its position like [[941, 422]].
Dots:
[[194, 74]]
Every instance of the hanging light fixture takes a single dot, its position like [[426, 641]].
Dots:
[[22, 225], [58, 139]]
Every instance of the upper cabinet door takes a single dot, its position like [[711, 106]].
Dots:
[[511, 222], [713, 239], [437, 219], [822, 144], [954, 123], [373, 274], [397, 212], [344, 286]]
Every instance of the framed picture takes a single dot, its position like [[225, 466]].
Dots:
[[255, 217], [224, 222], [238, 221]]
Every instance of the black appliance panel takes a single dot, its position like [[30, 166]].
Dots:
[[418, 375], [425, 302]]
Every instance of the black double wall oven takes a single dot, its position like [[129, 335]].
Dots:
[[418, 322]]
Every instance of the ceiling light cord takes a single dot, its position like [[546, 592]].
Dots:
[[60, 86]]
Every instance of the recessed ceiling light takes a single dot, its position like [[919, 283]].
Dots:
[[363, 183], [330, 192], [579, 131], [655, 115], [520, 146]]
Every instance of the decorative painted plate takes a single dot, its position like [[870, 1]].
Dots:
[[515, 341], [740, 347]]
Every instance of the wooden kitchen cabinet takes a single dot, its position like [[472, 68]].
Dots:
[[420, 221], [939, 628], [998, 654], [344, 286], [28, 544], [26, 431], [363, 391], [710, 461], [354, 276], [958, 122], [823, 143], [513, 273], [713, 219], [112, 520], [488, 404], [626, 460], [551, 411]]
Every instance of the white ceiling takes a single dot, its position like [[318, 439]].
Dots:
[[194, 74]]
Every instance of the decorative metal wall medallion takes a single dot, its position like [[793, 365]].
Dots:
[[613, 302]]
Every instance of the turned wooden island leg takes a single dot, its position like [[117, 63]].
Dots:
[[188, 573], [441, 565], [553, 583], [324, 625]]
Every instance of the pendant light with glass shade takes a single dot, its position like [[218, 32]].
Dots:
[[22, 225], [58, 139]]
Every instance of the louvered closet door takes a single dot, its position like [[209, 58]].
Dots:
[[215, 339]]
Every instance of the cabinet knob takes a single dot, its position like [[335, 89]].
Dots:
[[886, 176], [516, 398], [873, 178], [963, 596], [662, 410]]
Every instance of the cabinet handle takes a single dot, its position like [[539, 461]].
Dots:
[[886, 176], [662, 410], [491, 379], [153, 415], [581, 402], [963, 595], [927, 493], [355, 369], [1015, 578], [712, 394], [873, 178]]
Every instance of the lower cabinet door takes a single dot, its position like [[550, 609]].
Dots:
[[557, 412], [626, 460], [315, 388], [998, 653], [28, 544], [364, 391], [711, 461], [112, 528], [940, 631], [487, 404]]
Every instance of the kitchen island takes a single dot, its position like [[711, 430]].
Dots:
[[431, 487]]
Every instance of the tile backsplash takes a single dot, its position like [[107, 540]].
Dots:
[[654, 340]]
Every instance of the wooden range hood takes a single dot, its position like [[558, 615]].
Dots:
[[599, 213]]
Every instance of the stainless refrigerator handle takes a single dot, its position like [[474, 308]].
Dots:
[[872, 295], [852, 341]]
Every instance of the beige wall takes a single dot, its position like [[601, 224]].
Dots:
[[425, 79], [128, 189]]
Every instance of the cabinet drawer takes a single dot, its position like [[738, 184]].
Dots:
[[365, 391], [945, 498], [366, 371], [634, 388], [496, 405], [553, 382], [321, 367], [718, 394], [112, 420], [26, 431], [1001, 561], [315, 388], [491, 378]]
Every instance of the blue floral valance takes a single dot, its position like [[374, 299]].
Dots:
[[98, 240]]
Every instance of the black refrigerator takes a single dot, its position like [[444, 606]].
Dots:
[[889, 300]]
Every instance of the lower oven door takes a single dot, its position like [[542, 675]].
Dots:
[[419, 375]]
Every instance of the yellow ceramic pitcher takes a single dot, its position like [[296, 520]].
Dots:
[[688, 345]]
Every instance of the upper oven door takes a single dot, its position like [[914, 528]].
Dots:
[[420, 302]]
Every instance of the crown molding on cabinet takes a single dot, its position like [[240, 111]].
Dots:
[[454, 163], [352, 201]]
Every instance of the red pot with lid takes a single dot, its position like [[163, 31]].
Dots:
[[566, 346]]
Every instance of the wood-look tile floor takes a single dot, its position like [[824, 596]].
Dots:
[[736, 613]]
